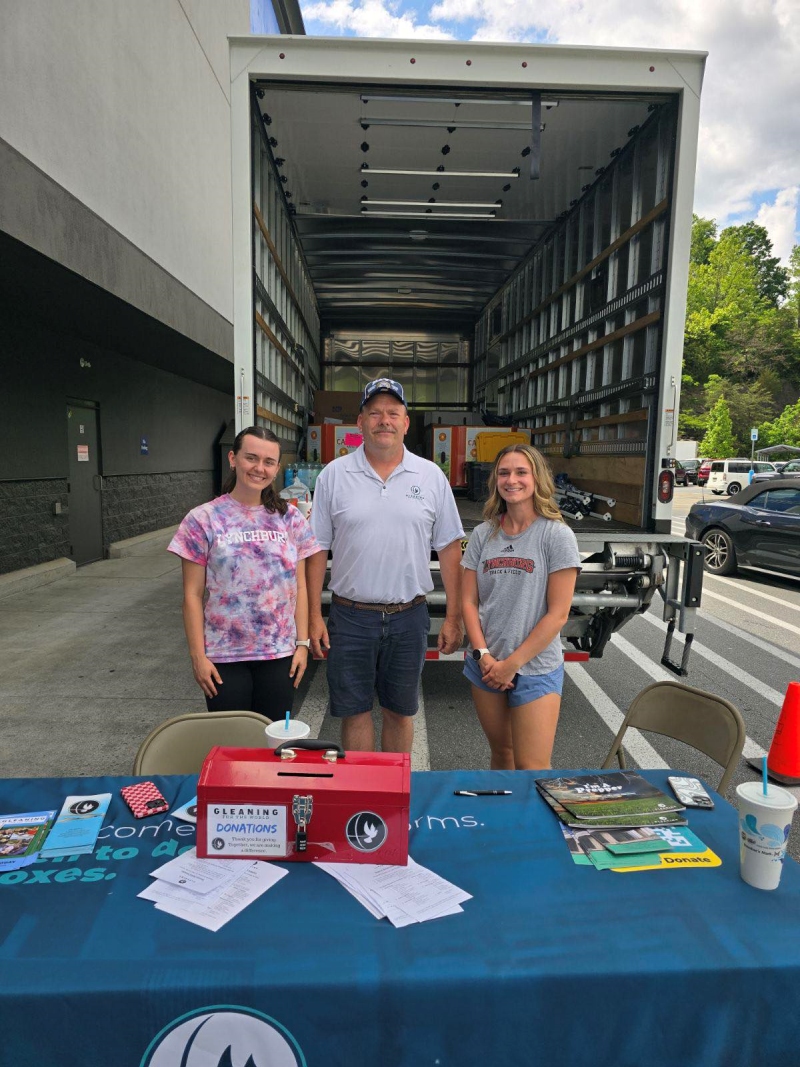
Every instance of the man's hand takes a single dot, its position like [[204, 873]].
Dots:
[[450, 636], [206, 674], [318, 632]]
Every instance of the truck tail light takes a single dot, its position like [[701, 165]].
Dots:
[[666, 486]]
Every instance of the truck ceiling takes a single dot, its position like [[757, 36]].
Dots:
[[419, 202]]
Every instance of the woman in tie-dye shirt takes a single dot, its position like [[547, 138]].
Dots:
[[245, 605]]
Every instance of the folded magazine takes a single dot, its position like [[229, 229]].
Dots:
[[608, 800]]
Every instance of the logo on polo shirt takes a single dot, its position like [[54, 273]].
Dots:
[[415, 490], [509, 548], [415, 493], [223, 1035]]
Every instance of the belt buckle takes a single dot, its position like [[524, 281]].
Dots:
[[392, 609]]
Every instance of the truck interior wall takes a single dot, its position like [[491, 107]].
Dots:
[[287, 333], [570, 345]]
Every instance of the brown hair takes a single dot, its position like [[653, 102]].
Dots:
[[269, 496], [543, 490]]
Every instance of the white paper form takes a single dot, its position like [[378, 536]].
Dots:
[[257, 879], [202, 876], [403, 894]]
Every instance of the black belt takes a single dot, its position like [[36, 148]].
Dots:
[[387, 609]]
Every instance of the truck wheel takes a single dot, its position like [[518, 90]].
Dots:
[[734, 488], [720, 553]]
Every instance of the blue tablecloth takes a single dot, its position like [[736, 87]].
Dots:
[[549, 962]]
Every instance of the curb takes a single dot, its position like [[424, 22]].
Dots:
[[141, 545], [32, 577]]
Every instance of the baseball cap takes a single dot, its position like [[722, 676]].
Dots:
[[384, 385]]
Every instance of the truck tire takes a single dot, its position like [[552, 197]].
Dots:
[[720, 554], [734, 488]]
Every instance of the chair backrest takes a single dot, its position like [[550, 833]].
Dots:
[[179, 745], [707, 722]]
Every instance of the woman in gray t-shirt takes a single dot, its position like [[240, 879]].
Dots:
[[520, 569]]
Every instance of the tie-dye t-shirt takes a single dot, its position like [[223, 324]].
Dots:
[[250, 556]]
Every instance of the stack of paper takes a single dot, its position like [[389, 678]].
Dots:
[[403, 895], [21, 838], [77, 826], [209, 892], [609, 800]]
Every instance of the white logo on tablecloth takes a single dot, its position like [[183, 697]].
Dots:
[[230, 1035]]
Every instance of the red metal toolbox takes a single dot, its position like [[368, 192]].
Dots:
[[305, 800]]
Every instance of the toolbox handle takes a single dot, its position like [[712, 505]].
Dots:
[[312, 746]]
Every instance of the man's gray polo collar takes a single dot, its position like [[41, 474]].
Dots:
[[357, 462]]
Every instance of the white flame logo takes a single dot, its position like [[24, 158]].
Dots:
[[366, 831]]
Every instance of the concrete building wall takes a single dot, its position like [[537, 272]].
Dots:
[[125, 106], [115, 261]]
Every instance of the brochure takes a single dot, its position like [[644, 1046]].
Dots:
[[187, 812], [613, 794], [669, 818], [77, 826], [21, 837], [685, 850]]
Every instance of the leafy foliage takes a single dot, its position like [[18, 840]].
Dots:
[[742, 337]]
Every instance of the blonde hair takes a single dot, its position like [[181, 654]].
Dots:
[[543, 488]]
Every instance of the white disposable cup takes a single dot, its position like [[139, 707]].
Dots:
[[764, 824], [304, 507], [277, 733]]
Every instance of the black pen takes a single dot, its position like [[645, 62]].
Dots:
[[481, 792]]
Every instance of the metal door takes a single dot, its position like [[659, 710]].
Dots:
[[85, 513]]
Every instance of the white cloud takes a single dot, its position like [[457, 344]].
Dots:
[[367, 18], [750, 121], [780, 219]]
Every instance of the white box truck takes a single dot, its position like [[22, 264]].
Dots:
[[504, 229]]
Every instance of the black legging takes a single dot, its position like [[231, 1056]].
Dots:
[[261, 685]]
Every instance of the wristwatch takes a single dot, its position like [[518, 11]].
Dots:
[[305, 644], [479, 653]]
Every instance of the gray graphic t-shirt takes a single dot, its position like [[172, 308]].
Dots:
[[512, 575]]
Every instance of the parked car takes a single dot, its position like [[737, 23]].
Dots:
[[703, 471], [732, 475], [759, 527], [685, 471], [789, 470], [692, 469]]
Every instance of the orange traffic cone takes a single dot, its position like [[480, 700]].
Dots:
[[783, 761]]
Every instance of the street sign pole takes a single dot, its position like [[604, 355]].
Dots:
[[753, 439]]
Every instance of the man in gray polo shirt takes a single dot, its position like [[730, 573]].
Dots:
[[380, 510]]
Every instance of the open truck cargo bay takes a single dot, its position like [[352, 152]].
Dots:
[[503, 228]]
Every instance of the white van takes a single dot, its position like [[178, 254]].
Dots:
[[732, 475]]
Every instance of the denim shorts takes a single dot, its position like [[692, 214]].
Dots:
[[527, 687], [372, 651]]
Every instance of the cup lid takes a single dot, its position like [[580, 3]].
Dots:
[[776, 797]]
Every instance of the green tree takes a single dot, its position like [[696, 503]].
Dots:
[[785, 430], [794, 286], [748, 403], [773, 279], [704, 237], [718, 439]]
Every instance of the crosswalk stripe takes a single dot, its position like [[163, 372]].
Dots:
[[752, 611], [315, 704], [751, 748], [635, 745], [420, 752], [698, 649], [748, 591]]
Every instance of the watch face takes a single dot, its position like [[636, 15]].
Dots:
[[476, 653]]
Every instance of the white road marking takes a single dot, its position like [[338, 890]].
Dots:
[[752, 592], [751, 748], [635, 745], [420, 752], [752, 611], [698, 649], [315, 704], [765, 646]]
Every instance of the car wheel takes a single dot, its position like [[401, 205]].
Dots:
[[734, 488], [720, 553]]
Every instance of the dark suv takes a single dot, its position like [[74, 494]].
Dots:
[[686, 471]]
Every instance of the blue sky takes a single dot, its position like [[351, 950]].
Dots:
[[749, 153]]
